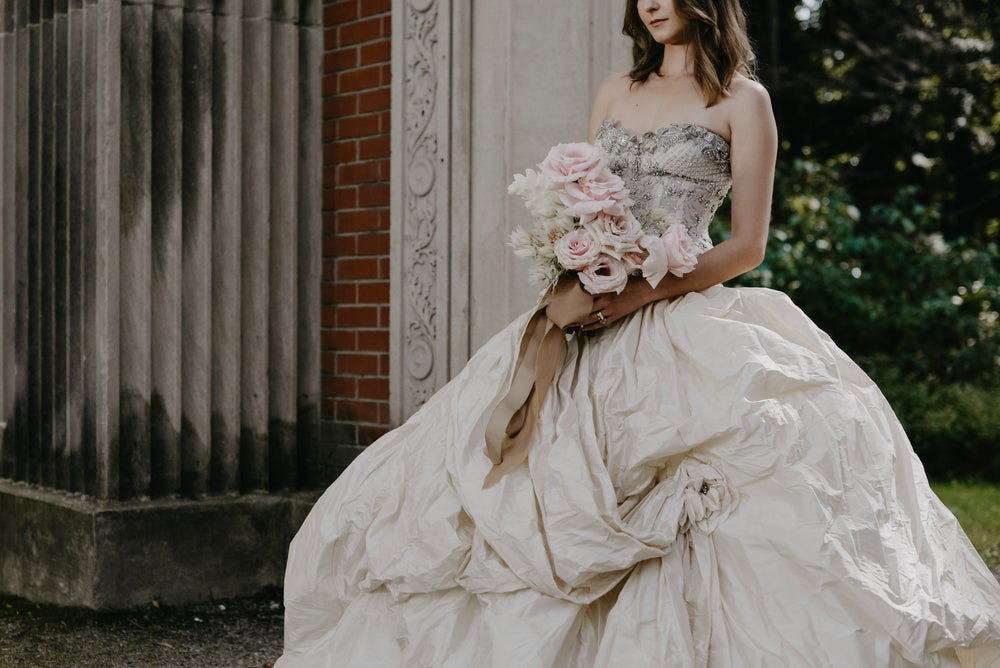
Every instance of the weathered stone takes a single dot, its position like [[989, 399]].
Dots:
[[136, 250], [283, 279], [256, 237], [57, 548], [166, 208], [196, 361], [310, 222], [227, 161]]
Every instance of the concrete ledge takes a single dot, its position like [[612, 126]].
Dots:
[[70, 550]]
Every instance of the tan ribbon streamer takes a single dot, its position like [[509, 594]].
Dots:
[[511, 428]]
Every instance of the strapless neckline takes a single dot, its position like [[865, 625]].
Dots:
[[611, 123]]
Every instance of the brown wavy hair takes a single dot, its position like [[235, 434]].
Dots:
[[717, 34]]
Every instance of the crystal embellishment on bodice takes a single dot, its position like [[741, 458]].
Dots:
[[681, 168]]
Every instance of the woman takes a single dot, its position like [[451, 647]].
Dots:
[[711, 482]]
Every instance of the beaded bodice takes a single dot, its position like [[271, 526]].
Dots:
[[679, 173]]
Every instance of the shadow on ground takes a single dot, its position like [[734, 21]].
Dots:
[[234, 633]]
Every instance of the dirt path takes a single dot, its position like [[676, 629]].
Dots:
[[224, 634]]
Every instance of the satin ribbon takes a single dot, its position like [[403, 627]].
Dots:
[[511, 427]]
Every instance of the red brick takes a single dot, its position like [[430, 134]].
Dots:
[[360, 79], [328, 317], [327, 292], [386, 76], [346, 293], [345, 151], [385, 121], [373, 195], [345, 386], [376, 52], [353, 268], [343, 105], [358, 126], [361, 172], [374, 147], [326, 409], [383, 316], [384, 169], [344, 198], [386, 26], [369, 434], [342, 12], [356, 411], [373, 244], [373, 388], [329, 271], [343, 59], [383, 413], [358, 364], [373, 293], [379, 99], [329, 221], [329, 130], [376, 341], [358, 221], [357, 316], [327, 337], [369, 7], [328, 363], [344, 339], [383, 363], [343, 244], [383, 268], [360, 31]]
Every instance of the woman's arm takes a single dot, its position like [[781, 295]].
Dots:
[[753, 151]]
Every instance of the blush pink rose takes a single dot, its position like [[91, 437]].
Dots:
[[602, 192], [605, 275], [566, 163], [617, 235], [671, 252], [577, 249]]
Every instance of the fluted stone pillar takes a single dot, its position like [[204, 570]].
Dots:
[[160, 242]]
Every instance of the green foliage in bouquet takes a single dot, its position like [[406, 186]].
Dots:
[[916, 310]]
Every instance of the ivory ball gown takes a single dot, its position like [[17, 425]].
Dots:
[[712, 483]]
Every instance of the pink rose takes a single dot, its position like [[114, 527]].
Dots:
[[577, 249], [566, 163], [605, 275], [671, 252], [603, 191], [633, 261]]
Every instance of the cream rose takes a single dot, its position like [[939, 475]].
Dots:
[[603, 191]]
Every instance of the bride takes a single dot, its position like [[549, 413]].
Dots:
[[710, 482]]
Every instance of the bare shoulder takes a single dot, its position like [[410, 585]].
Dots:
[[748, 96], [612, 89]]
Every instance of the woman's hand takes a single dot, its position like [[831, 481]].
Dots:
[[611, 306]]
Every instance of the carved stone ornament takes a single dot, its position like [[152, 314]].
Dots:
[[422, 259]]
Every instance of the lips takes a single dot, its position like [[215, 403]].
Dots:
[[657, 22]]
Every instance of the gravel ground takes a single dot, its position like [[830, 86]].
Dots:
[[234, 633]]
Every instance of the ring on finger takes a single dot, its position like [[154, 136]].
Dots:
[[600, 318]]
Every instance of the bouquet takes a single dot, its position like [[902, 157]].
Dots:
[[583, 223]]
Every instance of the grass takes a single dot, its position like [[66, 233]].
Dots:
[[977, 507]]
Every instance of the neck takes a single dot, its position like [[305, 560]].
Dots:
[[676, 61]]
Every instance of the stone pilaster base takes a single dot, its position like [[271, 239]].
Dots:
[[67, 550]]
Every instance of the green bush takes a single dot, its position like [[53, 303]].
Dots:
[[915, 308]]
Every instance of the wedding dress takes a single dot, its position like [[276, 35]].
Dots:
[[712, 483]]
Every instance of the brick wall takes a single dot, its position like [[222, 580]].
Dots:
[[355, 321]]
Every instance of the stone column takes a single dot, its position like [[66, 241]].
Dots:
[[455, 147], [159, 267]]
